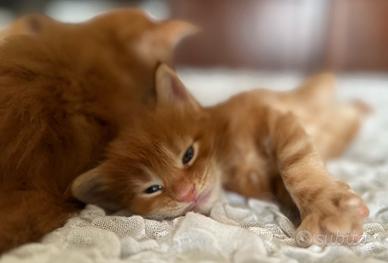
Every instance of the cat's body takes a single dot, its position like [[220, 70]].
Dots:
[[82, 116], [65, 92], [330, 125], [261, 144], [262, 133]]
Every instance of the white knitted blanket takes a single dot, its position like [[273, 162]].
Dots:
[[241, 230]]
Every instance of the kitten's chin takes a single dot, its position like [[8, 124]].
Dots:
[[203, 209], [206, 200]]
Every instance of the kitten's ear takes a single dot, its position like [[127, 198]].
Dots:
[[173, 31], [170, 90], [158, 42], [91, 187], [30, 24]]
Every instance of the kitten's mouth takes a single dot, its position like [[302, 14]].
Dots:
[[201, 202]]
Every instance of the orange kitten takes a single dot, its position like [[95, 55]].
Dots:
[[176, 158], [83, 116], [65, 92]]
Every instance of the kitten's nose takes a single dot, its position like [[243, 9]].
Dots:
[[185, 193]]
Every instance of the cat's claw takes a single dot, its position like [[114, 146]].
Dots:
[[336, 217]]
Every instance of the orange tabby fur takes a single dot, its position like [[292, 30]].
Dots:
[[83, 116], [66, 90], [274, 144], [256, 144]]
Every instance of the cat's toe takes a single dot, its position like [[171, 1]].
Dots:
[[330, 230], [355, 206], [338, 219]]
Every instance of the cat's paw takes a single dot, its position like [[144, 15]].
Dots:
[[335, 217]]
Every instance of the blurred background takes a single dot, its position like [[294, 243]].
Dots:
[[280, 35]]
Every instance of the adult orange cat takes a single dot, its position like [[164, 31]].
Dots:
[[65, 92]]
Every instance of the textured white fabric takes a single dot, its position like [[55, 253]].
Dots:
[[241, 230]]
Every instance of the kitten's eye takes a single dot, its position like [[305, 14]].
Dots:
[[153, 189], [188, 155]]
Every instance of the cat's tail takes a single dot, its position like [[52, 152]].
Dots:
[[25, 216], [318, 89], [332, 124]]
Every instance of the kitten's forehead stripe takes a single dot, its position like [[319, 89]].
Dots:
[[170, 153], [149, 175], [179, 144], [174, 154]]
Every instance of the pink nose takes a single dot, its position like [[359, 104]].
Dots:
[[185, 193]]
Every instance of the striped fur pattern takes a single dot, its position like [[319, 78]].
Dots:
[[274, 147], [260, 144], [83, 119]]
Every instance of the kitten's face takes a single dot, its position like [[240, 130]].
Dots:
[[165, 167], [163, 164]]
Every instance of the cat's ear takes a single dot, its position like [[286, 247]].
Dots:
[[173, 31], [91, 187], [158, 42], [30, 25], [170, 90]]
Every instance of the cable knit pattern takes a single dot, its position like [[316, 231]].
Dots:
[[238, 230]]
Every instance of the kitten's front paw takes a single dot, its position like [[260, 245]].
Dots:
[[336, 216]]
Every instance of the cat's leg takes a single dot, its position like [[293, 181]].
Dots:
[[328, 208], [337, 126]]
